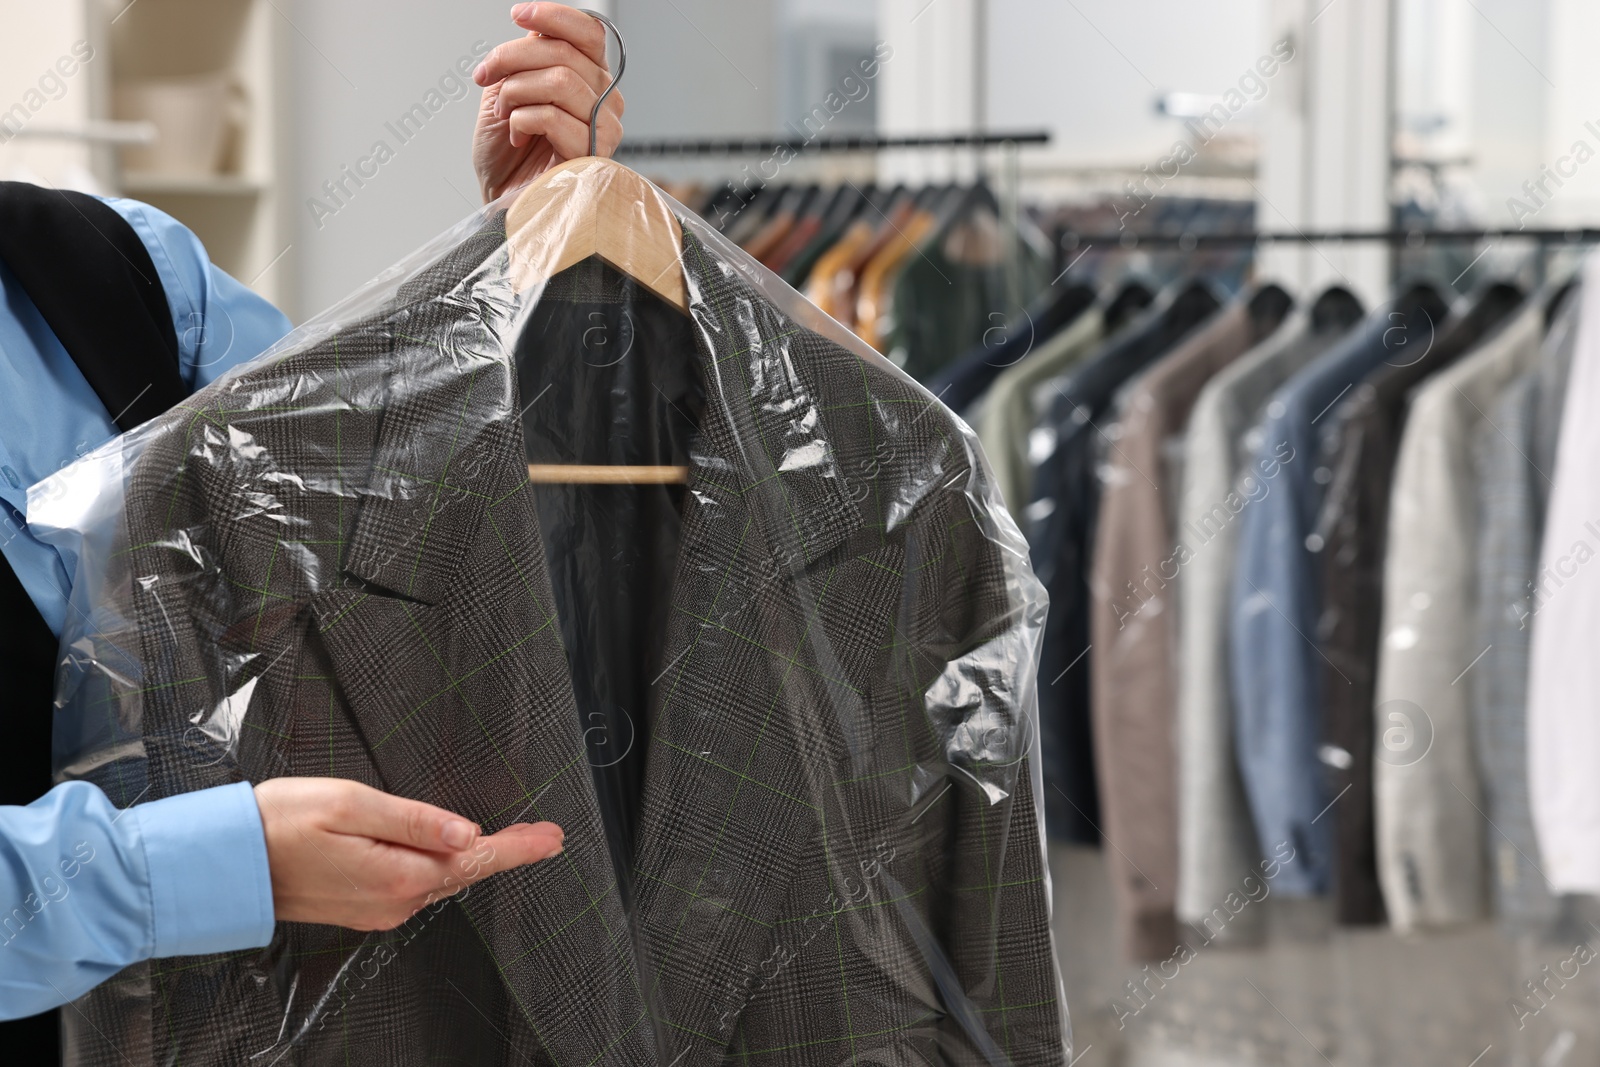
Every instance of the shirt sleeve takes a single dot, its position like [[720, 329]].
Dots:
[[88, 889], [220, 322]]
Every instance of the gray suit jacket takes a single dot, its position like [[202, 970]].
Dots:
[[1515, 449], [332, 565]]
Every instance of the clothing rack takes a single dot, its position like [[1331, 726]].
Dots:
[[1410, 238], [756, 145]]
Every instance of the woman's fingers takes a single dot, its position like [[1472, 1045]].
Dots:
[[352, 808], [423, 879], [565, 23], [538, 53], [561, 86], [568, 134], [517, 845], [539, 91]]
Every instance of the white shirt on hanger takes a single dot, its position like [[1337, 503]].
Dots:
[[1564, 678]]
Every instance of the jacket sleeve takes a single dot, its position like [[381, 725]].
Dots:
[[980, 653]]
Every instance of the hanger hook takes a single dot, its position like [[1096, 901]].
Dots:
[[622, 65]]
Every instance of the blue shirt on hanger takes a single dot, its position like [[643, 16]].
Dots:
[[85, 889]]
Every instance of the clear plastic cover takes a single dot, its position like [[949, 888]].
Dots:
[[785, 712]]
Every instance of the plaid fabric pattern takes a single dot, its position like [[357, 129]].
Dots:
[[1515, 449], [332, 566]]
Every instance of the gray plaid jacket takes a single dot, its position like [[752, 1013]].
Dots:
[[332, 566]]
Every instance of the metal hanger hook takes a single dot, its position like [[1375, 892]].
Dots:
[[622, 65]]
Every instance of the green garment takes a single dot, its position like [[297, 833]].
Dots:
[[1013, 406], [941, 308]]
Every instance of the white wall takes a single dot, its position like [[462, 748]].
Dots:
[[1326, 144], [1435, 75], [700, 67], [33, 38], [928, 83], [358, 65], [355, 67], [1511, 97], [1090, 70], [1573, 114]]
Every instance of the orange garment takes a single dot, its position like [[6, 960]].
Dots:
[[796, 241], [822, 287], [874, 293], [770, 235], [838, 289]]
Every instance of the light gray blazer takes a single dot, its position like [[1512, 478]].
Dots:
[[1428, 795]]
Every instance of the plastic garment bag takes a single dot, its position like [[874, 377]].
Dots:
[[785, 712]]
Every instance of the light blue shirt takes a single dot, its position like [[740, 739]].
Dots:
[[88, 889], [177, 876], [49, 414]]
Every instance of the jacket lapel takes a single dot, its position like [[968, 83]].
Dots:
[[732, 798], [445, 641]]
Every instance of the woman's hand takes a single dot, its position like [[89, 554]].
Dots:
[[345, 854], [538, 92]]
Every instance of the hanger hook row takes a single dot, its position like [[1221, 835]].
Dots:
[[622, 65]]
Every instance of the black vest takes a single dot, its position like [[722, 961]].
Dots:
[[92, 279]]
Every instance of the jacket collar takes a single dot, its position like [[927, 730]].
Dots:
[[764, 432]]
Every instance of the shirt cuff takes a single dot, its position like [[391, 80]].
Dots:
[[210, 889]]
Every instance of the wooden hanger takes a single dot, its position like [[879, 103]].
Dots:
[[600, 208], [603, 209]]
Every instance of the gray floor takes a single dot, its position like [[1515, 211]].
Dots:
[[1313, 994]]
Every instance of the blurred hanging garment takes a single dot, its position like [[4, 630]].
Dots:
[[961, 383], [1275, 601], [878, 276], [1061, 522], [1216, 835], [856, 219], [1138, 558], [1428, 800], [1016, 403], [835, 280], [333, 562], [823, 210], [976, 276], [743, 224], [790, 209], [1563, 730], [1014, 406], [1359, 448], [1515, 450]]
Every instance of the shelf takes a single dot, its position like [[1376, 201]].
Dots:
[[199, 185], [242, 214]]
